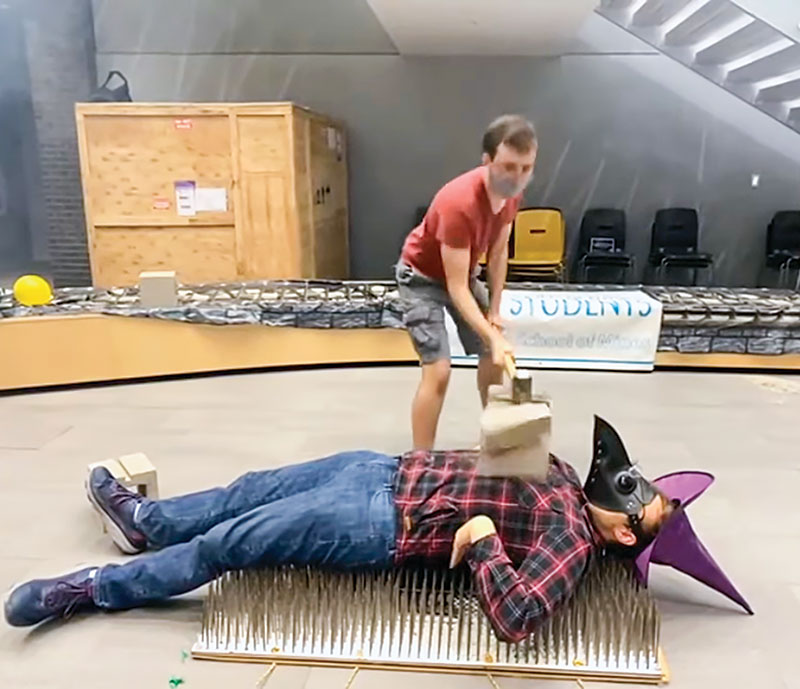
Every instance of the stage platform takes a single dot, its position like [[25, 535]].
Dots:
[[89, 335]]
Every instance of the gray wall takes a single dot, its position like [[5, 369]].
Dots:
[[16, 143], [54, 63], [613, 134]]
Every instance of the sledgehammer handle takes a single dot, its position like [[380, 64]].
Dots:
[[511, 366]]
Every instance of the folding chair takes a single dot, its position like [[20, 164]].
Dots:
[[674, 243], [538, 239], [602, 243]]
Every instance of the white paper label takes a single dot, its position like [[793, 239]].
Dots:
[[185, 198], [211, 199]]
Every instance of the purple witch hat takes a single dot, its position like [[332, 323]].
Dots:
[[678, 546]]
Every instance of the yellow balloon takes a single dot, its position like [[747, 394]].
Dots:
[[32, 290]]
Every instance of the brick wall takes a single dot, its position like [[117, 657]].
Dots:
[[743, 340], [61, 61]]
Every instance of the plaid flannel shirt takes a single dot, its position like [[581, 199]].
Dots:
[[543, 544]]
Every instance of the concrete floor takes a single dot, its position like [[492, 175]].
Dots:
[[205, 431]]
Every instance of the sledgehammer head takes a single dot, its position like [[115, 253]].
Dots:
[[521, 387], [521, 382]]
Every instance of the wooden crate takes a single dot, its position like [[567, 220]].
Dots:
[[283, 168]]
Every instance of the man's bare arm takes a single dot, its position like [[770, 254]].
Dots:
[[456, 269], [497, 269]]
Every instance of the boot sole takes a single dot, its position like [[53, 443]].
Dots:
[[114, 530]]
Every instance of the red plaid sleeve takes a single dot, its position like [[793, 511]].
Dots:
[[517, 601]]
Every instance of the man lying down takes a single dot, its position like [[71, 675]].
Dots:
[[527, 544]]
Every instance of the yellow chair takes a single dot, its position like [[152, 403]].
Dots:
[[539, 241]]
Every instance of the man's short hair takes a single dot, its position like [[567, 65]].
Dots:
[[514, 131]]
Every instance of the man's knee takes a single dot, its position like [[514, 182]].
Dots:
[[437, 375], [222, 550]]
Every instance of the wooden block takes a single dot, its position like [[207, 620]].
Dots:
[[158, 289], [141, 474], [135, 472]]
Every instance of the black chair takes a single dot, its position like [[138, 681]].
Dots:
[[673, 243], [783, 244], [602, 243]]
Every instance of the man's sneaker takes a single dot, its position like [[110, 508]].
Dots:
[[41, 599], [116, 506]]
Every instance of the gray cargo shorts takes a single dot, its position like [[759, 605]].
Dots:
[[424, 302]]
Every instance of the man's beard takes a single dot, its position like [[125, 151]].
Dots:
[[503, 186]]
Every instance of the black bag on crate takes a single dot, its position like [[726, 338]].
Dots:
[[118, 94]]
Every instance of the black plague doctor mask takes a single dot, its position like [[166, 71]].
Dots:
[[614, 483]]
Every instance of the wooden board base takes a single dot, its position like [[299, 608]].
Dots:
[[46, 351], [443, 670]]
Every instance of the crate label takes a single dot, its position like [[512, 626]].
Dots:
[[185, 198], [183, 123], [161, 204], [211, 199]]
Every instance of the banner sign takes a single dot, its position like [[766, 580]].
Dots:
[[576, 330]]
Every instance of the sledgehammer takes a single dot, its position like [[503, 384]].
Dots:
[[521, 382]]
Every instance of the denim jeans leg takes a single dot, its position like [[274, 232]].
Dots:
[[347, 523], [179, 519]]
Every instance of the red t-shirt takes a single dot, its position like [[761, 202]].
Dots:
[[460, 217]]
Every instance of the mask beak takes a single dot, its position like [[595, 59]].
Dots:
[[614, 483]]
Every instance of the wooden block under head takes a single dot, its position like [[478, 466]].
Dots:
[[158, 289]]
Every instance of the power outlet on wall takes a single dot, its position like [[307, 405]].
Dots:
[[755, 181]]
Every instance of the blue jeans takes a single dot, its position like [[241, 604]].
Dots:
[[337, 512]]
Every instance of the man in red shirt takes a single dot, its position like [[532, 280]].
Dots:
[[469, 217]]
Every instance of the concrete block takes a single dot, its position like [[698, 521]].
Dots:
[[158, 289], [515, 439]]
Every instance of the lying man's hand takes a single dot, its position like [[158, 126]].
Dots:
[[471, 532]]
